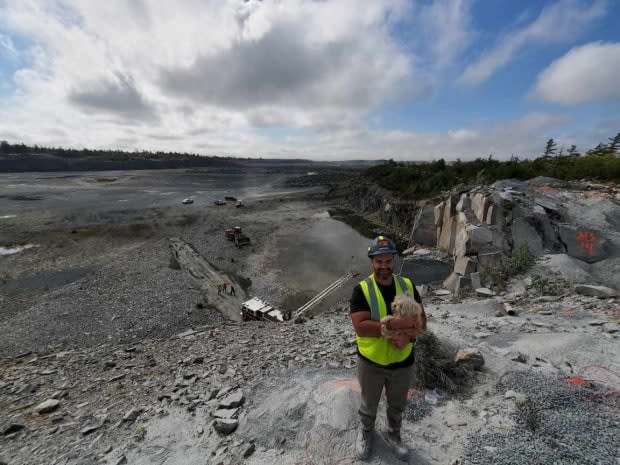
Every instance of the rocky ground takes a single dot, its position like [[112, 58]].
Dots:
[[110, 279], [262, 393], [118, 378]]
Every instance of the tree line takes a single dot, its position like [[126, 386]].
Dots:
[[421, 180], [113, 155]]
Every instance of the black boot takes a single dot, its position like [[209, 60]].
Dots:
[[398, 448]]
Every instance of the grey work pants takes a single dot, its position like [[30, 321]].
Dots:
[[372, 379]]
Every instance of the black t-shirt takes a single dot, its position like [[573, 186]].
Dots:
[[358, 301], [359, 304]]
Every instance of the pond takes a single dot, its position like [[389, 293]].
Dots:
[[314, 257]]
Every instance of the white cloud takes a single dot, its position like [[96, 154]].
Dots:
[[6, 45], [558, 22], [212, 76], [447, 25], [295, 63], [587, 73]]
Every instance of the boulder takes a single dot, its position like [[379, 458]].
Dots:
[[588, 245], [475, 280], [524, 233], [606, 272], [225, 426], [463, 283], [47, 406], [568, 268], [465, 265], [448, 233], [14, 424], [452, 281], [470, 356], [595, 291], [227, 413], [552, 207], [517, 356], [473, 239], [233, 400], [485, 292]]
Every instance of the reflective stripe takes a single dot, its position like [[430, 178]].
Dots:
[[374, 302], [400, 282], [378, 349]]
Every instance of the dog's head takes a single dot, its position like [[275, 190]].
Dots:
[[404, 304]]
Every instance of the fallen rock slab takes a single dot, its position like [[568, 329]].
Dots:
[[225, 426], [595, 291], [485, 292], [47, 406], [233, 400]]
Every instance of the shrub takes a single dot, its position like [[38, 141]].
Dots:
[[498, 275]]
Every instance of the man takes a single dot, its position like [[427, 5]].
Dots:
[[382, 362]]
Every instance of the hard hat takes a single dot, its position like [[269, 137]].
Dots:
[[381, 245]]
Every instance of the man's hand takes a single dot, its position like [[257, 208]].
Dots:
[[401, 322], [400, 340]]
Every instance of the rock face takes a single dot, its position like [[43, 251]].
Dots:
[[479, 226], [586, 244], [482, 225]]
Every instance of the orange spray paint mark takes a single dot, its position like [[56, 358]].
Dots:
[[587, 241], [350, 383], [577, 380]]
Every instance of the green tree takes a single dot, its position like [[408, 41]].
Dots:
[[614, 144], [551, 148], [600, 149], [572, 151]]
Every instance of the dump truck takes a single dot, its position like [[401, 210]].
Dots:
[[235, 235]]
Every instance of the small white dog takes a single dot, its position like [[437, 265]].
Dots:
[[403, 305]]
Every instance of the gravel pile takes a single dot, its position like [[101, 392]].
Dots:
[[417, 408], [557, 423], [135, 296]]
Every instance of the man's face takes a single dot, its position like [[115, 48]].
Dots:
[[383, 265]]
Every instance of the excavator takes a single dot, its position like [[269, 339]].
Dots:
[[235, 235]]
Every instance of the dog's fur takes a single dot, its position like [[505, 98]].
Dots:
[[403, 305]]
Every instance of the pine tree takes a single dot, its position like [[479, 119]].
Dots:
[[572, 150], [600, 149], [614, 144], [550, 148]]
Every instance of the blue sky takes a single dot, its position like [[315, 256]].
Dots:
[[409, 80]]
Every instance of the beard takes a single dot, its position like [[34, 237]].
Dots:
[[384, 273]]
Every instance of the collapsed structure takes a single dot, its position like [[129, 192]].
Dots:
[[256, 309]]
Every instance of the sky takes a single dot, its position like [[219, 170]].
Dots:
[[317, 79]]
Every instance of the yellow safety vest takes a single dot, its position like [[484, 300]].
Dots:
[[379, 349]]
